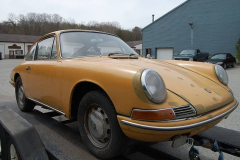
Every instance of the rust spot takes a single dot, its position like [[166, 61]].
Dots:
[[200, 108], [192, 85], [180, 78], [167, 69], [174, 104], [215, 99], [217, 93]]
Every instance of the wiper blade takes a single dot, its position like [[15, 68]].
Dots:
[[113, 54]]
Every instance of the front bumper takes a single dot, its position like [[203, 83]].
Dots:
[[12, 83], [163, 131]]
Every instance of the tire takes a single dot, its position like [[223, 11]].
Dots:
[[105, 140], [224, 65], [12, 150], [234, 64], [3, 144], [24, 104]]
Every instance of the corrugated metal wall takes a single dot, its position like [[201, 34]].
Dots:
[[216, 27]]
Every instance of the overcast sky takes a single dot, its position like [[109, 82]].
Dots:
[[129, 13]]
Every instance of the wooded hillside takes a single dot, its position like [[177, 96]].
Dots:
[[40, 24]]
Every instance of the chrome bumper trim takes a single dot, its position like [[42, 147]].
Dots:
[[12, 83], [154, 128], [40, 103]]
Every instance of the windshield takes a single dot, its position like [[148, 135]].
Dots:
[[219, 56], [81, 44], [188, 52]]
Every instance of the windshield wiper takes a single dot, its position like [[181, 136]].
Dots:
[[113, 54]]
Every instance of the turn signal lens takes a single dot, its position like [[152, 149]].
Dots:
[[153, 115]]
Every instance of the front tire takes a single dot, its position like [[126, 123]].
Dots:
[[224, 65], [24, 104], [98, 125]]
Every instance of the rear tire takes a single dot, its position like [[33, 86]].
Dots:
[[3, 144], [98, 125], [234, 64], [24, 104], [12, 150]]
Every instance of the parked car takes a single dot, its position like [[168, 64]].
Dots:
[[114, 94], [223, 59], [192, 55]]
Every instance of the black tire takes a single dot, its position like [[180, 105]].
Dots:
[[3, 144], [97, 107], [24, 104], [234, 64], [224, 65], [12, 150]]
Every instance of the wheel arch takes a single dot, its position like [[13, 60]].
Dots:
[[16, 75], [79, 90]]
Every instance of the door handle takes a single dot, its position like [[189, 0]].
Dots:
[[28, 68]]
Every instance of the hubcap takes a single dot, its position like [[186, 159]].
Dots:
[[13, 152], [21, 95], [97, 126]]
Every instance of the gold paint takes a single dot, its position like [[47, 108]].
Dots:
[[174, 104]]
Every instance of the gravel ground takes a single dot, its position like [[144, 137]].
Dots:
[[7, 94]]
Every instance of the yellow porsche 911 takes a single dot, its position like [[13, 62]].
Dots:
[[114, 94]]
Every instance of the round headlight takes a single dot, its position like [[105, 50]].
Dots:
[[221, 74], [153, 86]]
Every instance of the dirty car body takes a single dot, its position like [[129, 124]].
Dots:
[[96, 78]]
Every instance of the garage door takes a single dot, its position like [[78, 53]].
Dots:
[[165, 53]]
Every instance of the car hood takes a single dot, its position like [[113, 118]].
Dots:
[[196, 86], [183, 56]]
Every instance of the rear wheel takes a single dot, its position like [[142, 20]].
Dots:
[[3, 144], [234, 64], [24, 104], [12, 150], [98, 125]]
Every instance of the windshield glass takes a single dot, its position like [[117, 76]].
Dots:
[[188, 52], [219, 56], [81, 44]]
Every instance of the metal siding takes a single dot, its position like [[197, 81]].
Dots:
[[216, 27]]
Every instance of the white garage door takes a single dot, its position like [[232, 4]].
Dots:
[[165, 53]]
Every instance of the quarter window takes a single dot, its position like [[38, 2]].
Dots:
[[45, 48], [30, 55]]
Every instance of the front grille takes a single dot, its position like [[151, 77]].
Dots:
[[184, 111]]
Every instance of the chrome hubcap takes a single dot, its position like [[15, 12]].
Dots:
[[21, 95], [13, 153], [97, 126]]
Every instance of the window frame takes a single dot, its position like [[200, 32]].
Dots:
[[37, 47], [33, 46]]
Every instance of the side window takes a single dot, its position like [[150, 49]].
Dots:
[[44, 49], [54, 50], [30, 55], [230, 56]]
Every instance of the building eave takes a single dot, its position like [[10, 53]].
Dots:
[[166, 14]]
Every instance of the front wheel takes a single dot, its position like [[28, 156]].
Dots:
[[24, 104], [224, 65], [98, 125]]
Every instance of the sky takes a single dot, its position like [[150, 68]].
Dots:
[[128, 13]]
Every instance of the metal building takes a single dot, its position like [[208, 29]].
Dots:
[[209, 25]]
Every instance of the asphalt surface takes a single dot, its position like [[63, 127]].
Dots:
[[7, 96]]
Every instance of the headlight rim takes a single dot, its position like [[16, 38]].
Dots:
[[217, 74], [144, 85]]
